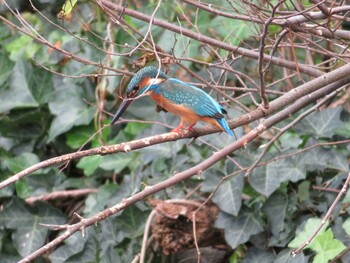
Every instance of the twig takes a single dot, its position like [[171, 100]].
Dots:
[[60, 194], [320, 4], [178, 177], [325, 218], [291, 124], [262, 72], [148, 29], [207, 40], [319, 188], [334, 79]]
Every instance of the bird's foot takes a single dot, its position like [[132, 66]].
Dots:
[[178, 129], [190, 128]]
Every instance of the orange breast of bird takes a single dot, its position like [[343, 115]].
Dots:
[[187, 116]]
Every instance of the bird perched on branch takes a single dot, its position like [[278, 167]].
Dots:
[[190, 103]]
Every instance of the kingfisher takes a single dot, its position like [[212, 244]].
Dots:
[[180, 98]]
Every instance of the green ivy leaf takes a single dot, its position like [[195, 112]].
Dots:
[[319, 159], [22, 162], [29, 235], [132, 221], [326, 247], [285, 256], [283, 170], [236, 30], [67, 8], [97, 202], [22, 46], [74, 249], [304, 191], [117, 162], [229, 195], [320, 124], [69, 109], [78, 136], [40, 83], [344, 129], [89, 164], [134, 128], [346, 225], [6, 68], [276, 210], [259, 256], [238, 229], [19, 94], [309, 229]]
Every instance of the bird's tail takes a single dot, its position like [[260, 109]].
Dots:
[[222, 122]]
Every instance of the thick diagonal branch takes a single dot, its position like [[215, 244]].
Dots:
[[284, 114]]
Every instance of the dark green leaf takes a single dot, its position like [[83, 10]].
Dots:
[[29, 235], [132, 221], [320, 124], [276, 210], [6, 68], [290, 140], [78, 136], [26, 125], [304, 191], [255, 255], [134, 128], [285, 256], [319, 159], [117, 162], [90, 163], [97, 202], [19, 94], [229, 195], [212, 178], [163, 150], [288, 169], [70, 110], [73, 248], [238, 229], [344, 129], [346, 226], [40, 84], [238, 30], [22, 162]]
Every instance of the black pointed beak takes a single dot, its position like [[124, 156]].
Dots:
[[122, 108]]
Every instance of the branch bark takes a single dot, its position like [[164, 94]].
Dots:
[[337, 78], [178, 177]]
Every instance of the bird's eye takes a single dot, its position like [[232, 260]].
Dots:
[[135, 88]]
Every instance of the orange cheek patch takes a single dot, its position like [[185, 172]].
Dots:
[[144, 82]]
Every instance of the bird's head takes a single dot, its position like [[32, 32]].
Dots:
[[138, 84]]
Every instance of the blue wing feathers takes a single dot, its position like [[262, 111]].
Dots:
[[194, 98], [197, 100]]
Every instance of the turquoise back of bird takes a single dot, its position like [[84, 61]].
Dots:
[[191, 97], [182, 93]]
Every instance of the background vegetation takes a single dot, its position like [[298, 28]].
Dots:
[[280, 68]]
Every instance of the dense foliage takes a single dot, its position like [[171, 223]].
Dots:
[[52, 104]]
